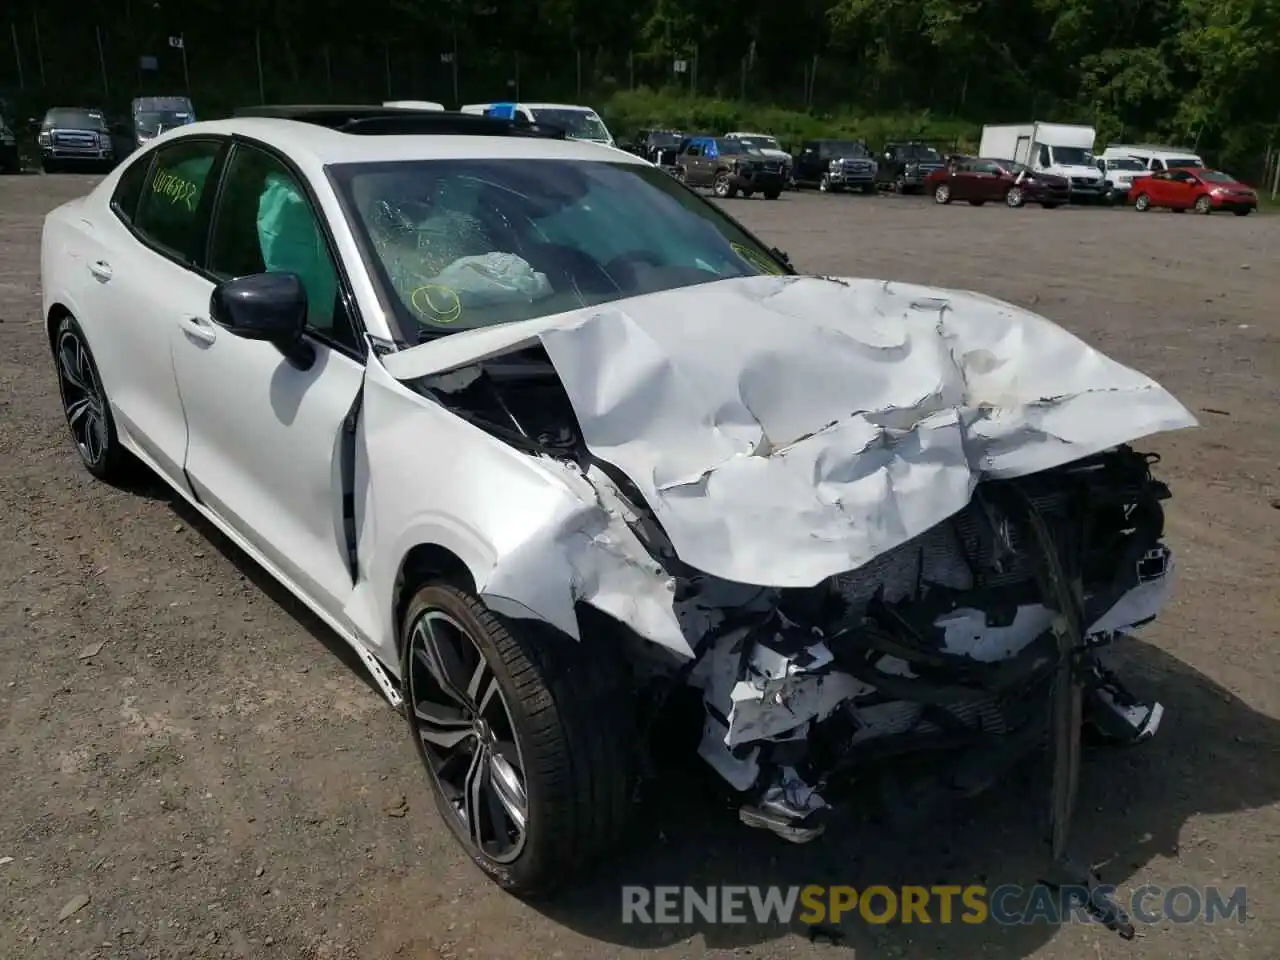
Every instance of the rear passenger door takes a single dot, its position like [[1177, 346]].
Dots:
[[155, 280]]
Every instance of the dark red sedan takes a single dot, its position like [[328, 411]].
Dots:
[[978, 180], [1193, 188]]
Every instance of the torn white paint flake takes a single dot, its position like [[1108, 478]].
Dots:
[[803, 528]]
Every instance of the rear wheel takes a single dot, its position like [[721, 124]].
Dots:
[[1242, 213], [525, 734], [84, 403], [942, 193], [722, 187], [772, 194], [1143, 203]]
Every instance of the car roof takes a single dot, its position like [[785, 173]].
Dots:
[[315, 145], [1154, 149]]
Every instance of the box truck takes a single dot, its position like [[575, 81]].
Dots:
[[1063, 149]]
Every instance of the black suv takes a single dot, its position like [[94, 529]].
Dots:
[[904, 165], [9, 161], [75, 136], [657, 146], [835, 165]]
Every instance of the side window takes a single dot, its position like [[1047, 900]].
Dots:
[[1157, 164], [1044, 156], [129, 188], [265, 223], [168, 211]]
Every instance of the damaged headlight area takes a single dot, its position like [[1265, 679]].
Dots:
[[949, 643]]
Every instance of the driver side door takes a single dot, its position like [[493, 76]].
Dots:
[[694, 161], [1180, 189], [266, 440]]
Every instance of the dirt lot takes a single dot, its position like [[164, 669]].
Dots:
[[189, 750]]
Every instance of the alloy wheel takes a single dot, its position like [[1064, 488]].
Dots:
[[1142, 203], [83, 399], [1014, 197], [1203, 205], [468, 736], [942, 194], [722, 186]]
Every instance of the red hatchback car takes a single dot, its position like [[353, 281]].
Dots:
[[978, 180], [1193, 188]]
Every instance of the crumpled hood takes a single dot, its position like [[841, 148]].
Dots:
[[785, 429]]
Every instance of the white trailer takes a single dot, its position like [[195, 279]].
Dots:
[[1061, 149]]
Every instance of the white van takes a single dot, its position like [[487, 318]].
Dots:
[[578, 122], [1154, 157], [1060, 149]]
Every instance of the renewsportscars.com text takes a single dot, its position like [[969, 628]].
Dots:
[[1006, 905]]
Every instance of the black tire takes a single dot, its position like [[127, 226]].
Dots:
[[772, 194], [85, 405], [1204, 205], [942, 193], [569, 714], [50, 166], [723, 187], [868, 188], [1142, 203]]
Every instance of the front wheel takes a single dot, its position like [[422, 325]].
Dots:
[[942, 193], [1204, 205], [1015, 197], [525, 735], [1142, 204]]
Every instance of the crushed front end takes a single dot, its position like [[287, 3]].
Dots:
[[952, 642]]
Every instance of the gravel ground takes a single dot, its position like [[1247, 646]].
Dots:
[[189, 758]]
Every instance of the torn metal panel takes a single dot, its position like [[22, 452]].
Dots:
[[786, 429]]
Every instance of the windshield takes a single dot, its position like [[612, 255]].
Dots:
[[847, 148], [1125, 163], [1072, 156], [578, 124], [1177, 162], [150, 122], [665, 139], [918, 151], [759, 143], [1216, 176], [460, 244], [74, 119]]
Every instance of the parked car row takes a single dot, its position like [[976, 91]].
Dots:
[[87, 137]]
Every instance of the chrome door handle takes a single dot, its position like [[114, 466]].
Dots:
[[100, 269], [199, 329]]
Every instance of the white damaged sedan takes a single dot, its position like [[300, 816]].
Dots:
[[548, 439]]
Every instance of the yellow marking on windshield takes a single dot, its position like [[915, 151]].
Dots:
[[757, 259], [436, 302]]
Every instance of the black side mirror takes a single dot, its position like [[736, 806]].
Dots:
[[266, 306]]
